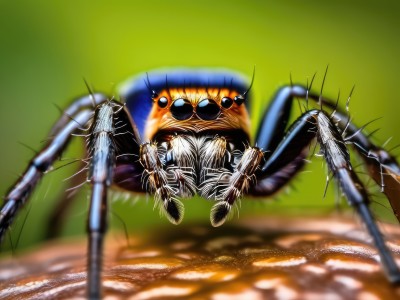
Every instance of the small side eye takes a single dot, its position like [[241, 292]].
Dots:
[[226, 102], [239, 99], [154, 95], [162, 102]]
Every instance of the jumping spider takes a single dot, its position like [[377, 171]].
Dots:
[[187, 132]]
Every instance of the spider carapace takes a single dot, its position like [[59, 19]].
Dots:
[[182, 132]]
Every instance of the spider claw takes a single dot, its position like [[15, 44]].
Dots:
[[174, 211], [219, 213]]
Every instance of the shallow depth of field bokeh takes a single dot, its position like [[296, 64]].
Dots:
[[48, 47]]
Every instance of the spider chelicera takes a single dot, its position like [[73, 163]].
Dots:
[[187, 132]]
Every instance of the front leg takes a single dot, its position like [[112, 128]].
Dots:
[[239, 183], [156, 180]]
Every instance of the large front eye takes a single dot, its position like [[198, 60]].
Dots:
[[181, 109], [208, 109]]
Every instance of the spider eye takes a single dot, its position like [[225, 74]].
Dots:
[[239, 99], [154, 95], [181, 109], [208, 109], [162, 102], [226, 102]]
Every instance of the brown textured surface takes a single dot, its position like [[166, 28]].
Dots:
[[275, 259]]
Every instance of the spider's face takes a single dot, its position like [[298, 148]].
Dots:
[[188, 101], [197, 109]]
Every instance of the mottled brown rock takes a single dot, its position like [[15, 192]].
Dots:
[[278, 258]]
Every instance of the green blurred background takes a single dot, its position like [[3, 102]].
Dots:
[[48, 47]]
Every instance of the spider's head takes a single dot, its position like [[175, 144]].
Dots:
[[198, 109], [183, 100]]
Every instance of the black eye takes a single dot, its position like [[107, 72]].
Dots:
[[162, 102], [154, 95], [181, 109], [226, 102], [239, 99], [208, 109]]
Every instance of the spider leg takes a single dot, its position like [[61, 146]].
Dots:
[[240, 181], [381, 165], [85, 102], [19, 193], [157, 180], [65, 201], [270, 134], [102, 161], [275, 119], [316, 123], [76, 116]]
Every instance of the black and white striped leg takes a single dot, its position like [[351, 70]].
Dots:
[[19, 193], [102, 161], [317, 124], [240, 181], [157, 183]]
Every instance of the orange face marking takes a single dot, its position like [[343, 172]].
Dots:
[[161, 118]]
